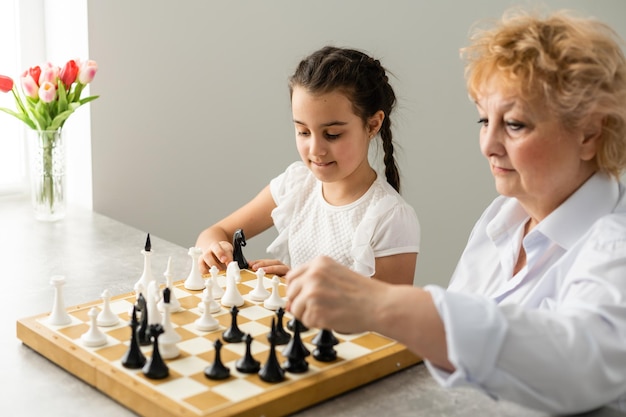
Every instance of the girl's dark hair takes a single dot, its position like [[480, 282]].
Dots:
[[363, 80]]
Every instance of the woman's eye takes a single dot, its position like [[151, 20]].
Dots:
[[515, 126], [483, 121], [302, 133]]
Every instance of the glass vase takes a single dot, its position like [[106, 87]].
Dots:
[[46, 154]]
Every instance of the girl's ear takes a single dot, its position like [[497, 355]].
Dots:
[[375, 122]]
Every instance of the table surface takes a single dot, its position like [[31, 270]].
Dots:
[[95, 253]]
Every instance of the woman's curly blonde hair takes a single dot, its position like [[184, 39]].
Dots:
[[574, 65]]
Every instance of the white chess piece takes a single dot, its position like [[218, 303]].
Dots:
[[146, 276], [194, 280], [58, 316], [233, 269], [232, 296], [169, 283], [152, 298], [275, 301], [214, 307], [168, 340], [218, 291], [207, 322], [94, 336], [106, 317], [259, 293]]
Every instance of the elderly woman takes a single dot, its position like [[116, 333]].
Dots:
[[536, 309]]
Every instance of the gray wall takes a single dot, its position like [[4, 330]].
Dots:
[[194, 115]]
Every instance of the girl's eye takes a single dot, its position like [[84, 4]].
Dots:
[[330, 136]]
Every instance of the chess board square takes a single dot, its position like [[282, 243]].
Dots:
[[121, 333], [372, 341], [349, 350], [238, 389], [206, 400], [75, 331], [183, 317], [255, 329], [196, 345], [187, 365], [255, 312], [113, 352], [180, 387]]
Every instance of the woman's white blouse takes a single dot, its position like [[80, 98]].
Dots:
[[379, 223], [552, 337]]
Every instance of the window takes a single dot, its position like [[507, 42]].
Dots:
[[12, 150]]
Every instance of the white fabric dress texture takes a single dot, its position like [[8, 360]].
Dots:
[[380, 223], [552, 337]]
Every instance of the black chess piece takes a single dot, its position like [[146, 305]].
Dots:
[[143, 332], [325, 340], [233, 334], [156, 368], [291, 325], [247, 364], [280, 334], [217, 370], [239, 240], [271, 370], [133, 358], [296, 353]]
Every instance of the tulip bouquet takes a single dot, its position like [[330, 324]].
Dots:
[[49, 95]]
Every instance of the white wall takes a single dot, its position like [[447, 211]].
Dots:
[[194, 115]]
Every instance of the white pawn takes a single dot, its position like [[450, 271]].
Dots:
[[169, 283], [194, 280], [207, 322], [106, 317], [233, 269], [214, 307], [152, 298], [169, 338], [58, 316], [93, 336], [231, 296], [259, 293], [218, 291], [275, 301]]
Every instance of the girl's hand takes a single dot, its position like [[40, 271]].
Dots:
[[218, 254], [270, 266]]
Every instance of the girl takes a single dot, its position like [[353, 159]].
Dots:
[[332, 202]]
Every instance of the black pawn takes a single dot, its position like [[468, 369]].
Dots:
[[296, 353], [280, 334], [291, 325], [325, 340], [233, 334], [156, 368], [247, 364], [133, 358], [143, 331], [271, 370], [217, 370]]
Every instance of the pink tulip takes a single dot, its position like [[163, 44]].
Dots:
[[35, 73], [69, 73], [29, 85], [87, 71], [47, 92], [49, 73], [6, 83]]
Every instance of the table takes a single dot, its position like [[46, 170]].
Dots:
[[95, 252]]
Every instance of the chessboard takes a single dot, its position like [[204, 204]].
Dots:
[[186, 391]]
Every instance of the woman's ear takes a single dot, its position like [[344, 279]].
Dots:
[[591, 138]]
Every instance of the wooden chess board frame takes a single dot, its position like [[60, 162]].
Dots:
[[129, 387]]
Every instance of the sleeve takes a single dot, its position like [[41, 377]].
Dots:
[[568, 356], [389, 228]]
